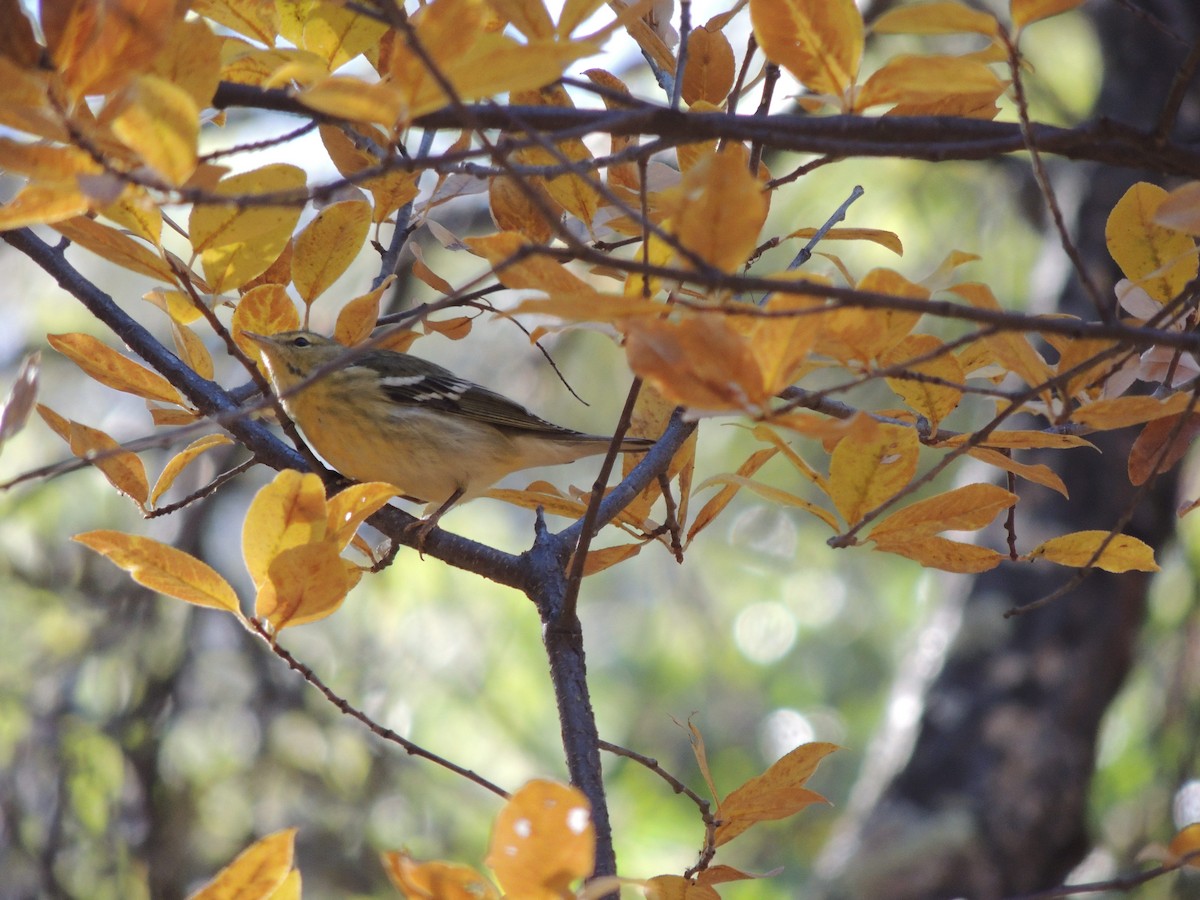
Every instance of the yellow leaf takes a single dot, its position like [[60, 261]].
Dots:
[[966, 508], [890, 325], [710, 66], [327, 246], [819, 41], [162, 568], [1035, 472], [946, 17], [184, 458], [329, 30], [445, 881], [98, 47], [941, 553], [542, 841], [124, 470], [353, 506], [777, 793], [676, 887], [514, 210], [160, 122], [771, 436], [1023, 440], [356, 320], [912, 79], [115, 247], [933, 399], [286, 513], [136, 211], [870, 465], [531, 272], [112, 369], [266, 309], [38, 204], [1012, 349], [46, 162], [191, 59], [190, 349], [1180, 209], [1121, 554], [530, 17], [239, 240], [258, 870], [289, 889], [1025, 12], [354, 100], [1158, 259], [573, 192], [391, 190], [887, 239], [1119, 412], [721, 211], [257, 19], [304, 584], [606, 557], [775, 495]]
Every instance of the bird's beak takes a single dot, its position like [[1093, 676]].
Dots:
[[261, 339]]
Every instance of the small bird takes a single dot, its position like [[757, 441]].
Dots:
[[387, 416]]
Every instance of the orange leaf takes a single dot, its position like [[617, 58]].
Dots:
[[1012, 349], [441, 880], [931, 399], [162, 568], [37, 204], [258, 870], [514, 210], [1186, 842], [542, 841], [819, 41], [721, 210], [1035, 472], [607, 557], [286, 513], [966, 508], [1025, 12], [1119, 412], [946, 17], [239, 240], [123, 469], [573, 192], [266, 309], [710, 66], [698, 362], [1023, 440], [1150, 454], [777, 793], [98, 47], [941, 553], [721, 499], [304, 583], [529, 272], [353, 506], [191, 59], [1121, 554], [160, 122], [327, 246], [112, 369], [676, 887], [870, 465], [781, 343], [775, 495], [356, 320], [184, 458], [1158, 259], [116, 247], [913, 79], [888, 239]]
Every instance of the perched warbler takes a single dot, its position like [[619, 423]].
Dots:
[[388, 416]]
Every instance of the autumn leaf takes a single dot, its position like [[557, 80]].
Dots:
[[163, 568], [1121, 553], [443, 880], [327, 246], [819, 41], [542, 841], [776, 794], [288, 512], [258, 871], [183, 459], [870, 465], [1158, 259], [303, 583]]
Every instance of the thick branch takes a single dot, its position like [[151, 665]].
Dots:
[[931, 138]]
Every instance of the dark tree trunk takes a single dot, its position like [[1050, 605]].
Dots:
[[993, 800]]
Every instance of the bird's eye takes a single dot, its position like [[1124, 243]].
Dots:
[[301, 342]]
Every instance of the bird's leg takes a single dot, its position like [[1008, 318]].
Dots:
[[421, 528]]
